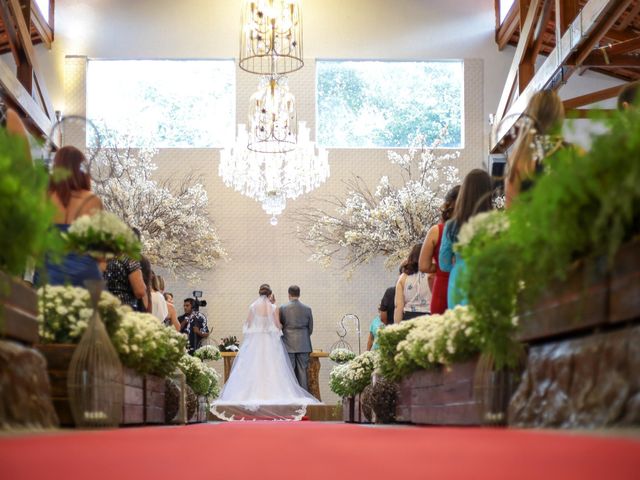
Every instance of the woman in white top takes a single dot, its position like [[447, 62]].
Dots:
[[413, 295], [159, 307]]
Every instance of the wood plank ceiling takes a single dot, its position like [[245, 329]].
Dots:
[[617, 54]]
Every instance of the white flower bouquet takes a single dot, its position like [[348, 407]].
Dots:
[[351, 378], [442, 339], [64, 313], [208, 352], [102, 235], [481, 227], [146, 345], [202, 379], [341, 355]]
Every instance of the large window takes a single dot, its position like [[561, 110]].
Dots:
[[366, 104], [164, 103]]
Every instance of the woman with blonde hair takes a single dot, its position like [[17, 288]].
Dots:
[[538, 138]]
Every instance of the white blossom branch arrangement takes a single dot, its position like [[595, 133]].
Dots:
[[387, 221], [177, 232]]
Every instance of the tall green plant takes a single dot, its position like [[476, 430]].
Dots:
[[25, 213], [586, 205]]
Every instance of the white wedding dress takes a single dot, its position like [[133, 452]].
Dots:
[[262, 384]]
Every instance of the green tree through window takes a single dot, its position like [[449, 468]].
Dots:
[[383, 104]]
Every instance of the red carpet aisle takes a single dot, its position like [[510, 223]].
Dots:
[[310, 451]]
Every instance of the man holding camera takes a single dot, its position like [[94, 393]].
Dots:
[[194, 324]]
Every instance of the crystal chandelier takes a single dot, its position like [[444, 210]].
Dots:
[[272, 117], [272, 178], [271, 37]]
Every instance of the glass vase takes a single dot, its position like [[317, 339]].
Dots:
[[95, 377]]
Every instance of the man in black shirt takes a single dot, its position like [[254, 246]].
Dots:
[[387, 305], [194, 324]]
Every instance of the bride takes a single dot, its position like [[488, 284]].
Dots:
[[262, 384]]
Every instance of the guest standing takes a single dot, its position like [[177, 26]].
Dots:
[[376, 325], [388, 302], [474, 197], [159, 307], [72, 197], [431, 250], [539, 137], [412, 290]]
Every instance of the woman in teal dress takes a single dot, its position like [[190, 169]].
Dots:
[[474, 197]]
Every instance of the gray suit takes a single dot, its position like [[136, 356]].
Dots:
[[297, 327]]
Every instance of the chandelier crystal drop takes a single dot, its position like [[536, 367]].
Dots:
[[273, 125], [271, 37], [272, 178]]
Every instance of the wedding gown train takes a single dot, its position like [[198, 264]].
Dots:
[[262, 384]]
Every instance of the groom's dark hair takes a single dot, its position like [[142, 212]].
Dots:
[[294, 291]]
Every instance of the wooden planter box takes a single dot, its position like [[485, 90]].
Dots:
[[154, 393], [352, 410], [445, 396], [573, 305], [624, 286], [202, 410], [18, 310], [58, 359]]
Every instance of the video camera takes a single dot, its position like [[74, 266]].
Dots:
[[197, 295]]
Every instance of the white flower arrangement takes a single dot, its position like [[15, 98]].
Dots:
[[102, 234], [341, 355], [147, 345], [387, 222], [64, 313], [351, 378], [208, 352], [442, 339], [488, 224], [201, 378], [173, 236]]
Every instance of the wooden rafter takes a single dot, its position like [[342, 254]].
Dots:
[[601, 60], [582, 33], [590, 98]]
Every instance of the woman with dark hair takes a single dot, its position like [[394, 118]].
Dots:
[[124, 279], [262, 383], [412, 290], [428, 262], [474, 197], [70, 192]]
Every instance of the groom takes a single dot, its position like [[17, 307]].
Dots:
[[297, 326]]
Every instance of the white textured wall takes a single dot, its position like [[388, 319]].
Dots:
[[353, 29]]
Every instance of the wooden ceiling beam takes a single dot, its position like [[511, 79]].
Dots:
[[554, 70], [508, 27], [44, 30], [523, 44], [23, 101], [635, 11], [623, 47], [602, 60], [593, 97], [25, 40], [566, 11], [621, 35]]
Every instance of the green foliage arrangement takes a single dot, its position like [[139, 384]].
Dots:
[[341, 355], [429, 342], [202, 379], [26, 216], [208, 352], [584, 207], [148, 346], [351, 378], [64, 313]]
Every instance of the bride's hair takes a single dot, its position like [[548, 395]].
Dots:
[[265, 289]]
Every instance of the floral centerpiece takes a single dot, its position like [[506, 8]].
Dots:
[[229, 344], [351, 378], [341, 355], [102, 235], [201, 378], [208, 352], [146, 345]]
